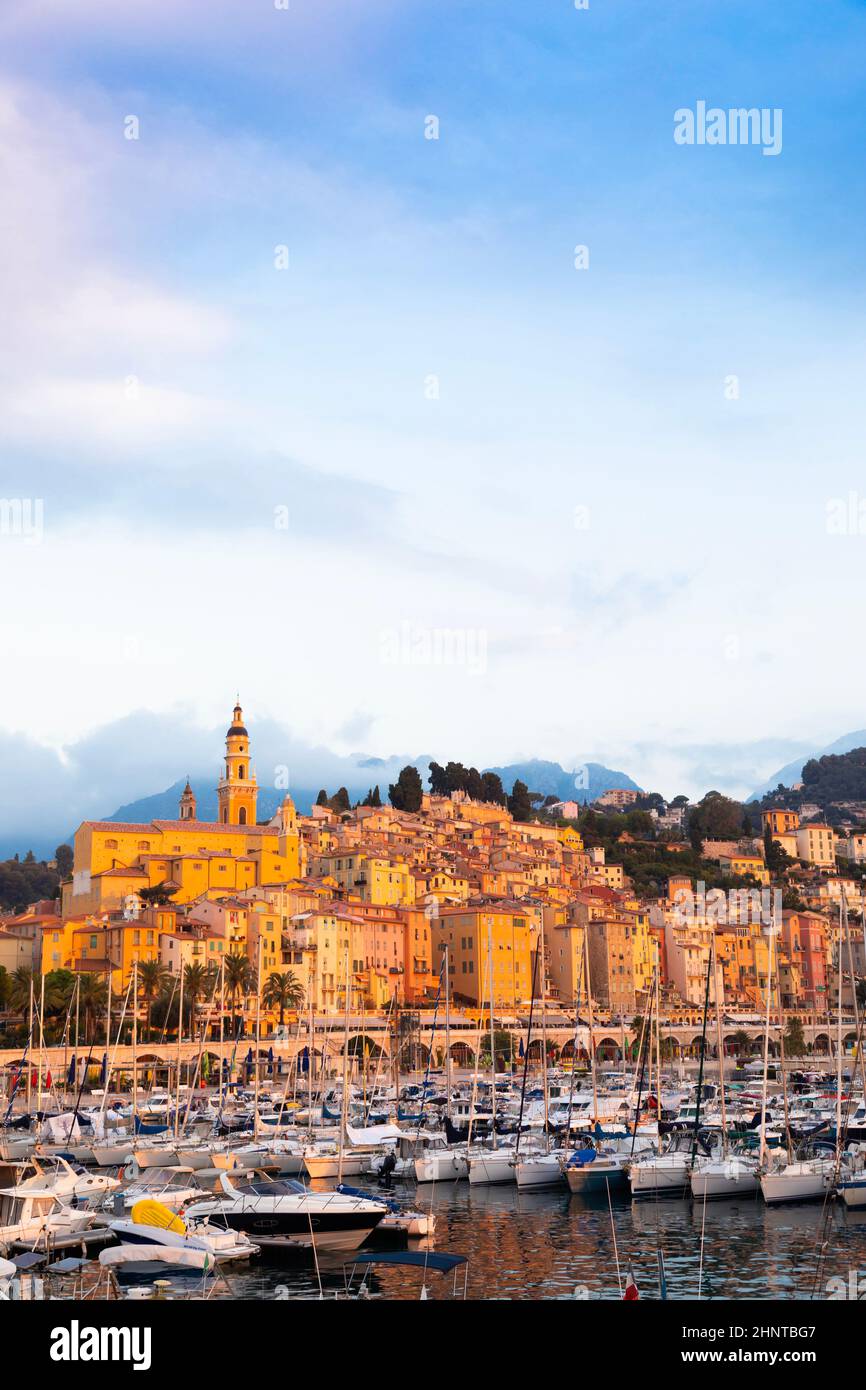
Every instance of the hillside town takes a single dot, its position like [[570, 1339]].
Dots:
[[359, 907]]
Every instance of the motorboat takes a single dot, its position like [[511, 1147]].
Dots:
[[286, 1211], [150, 1223]]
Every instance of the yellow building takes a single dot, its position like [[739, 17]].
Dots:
[[114, 861], [780, 822], [369, 877], [474, 935]]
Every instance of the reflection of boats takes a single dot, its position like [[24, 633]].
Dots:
[[286, 1211]]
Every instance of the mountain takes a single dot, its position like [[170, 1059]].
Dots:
[[547, 778], [793, 772], [585, 784]]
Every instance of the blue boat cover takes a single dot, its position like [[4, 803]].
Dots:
[[421, 1258], [581, 1157]]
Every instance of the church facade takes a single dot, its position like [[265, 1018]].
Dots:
[[115, 860]]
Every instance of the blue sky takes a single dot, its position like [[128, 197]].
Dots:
[[645, 559]]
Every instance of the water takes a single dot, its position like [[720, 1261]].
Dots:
[[547, 1244]]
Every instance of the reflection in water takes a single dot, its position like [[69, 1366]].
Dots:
[[547, 1244]]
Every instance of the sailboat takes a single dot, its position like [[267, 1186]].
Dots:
[[540, 1169], [723, 1174], [805, 1179]]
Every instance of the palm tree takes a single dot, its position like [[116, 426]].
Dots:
[[151, 979], [92, 998], [197, 982], [283, 992], [19, 989], [238, 976]]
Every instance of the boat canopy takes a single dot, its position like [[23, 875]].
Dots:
[[422, 1259]]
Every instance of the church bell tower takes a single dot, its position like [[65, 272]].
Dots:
[[237, 791]]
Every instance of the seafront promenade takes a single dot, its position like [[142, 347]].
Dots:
[[373, 1039]]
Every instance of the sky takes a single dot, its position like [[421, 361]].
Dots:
[[299, 402]]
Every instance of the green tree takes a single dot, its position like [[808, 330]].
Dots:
[[340, 801], [283, 991], [92, 1001], [795, 1040], [63, 858], [197, 982], [160, 895], [151, 980], [322, 798], [238, 976], [520, 802], [406, 794]]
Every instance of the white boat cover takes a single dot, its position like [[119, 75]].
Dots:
[[158, 1254], [376, 1134]]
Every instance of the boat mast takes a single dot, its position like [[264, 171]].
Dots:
[[860, 1056], [762, 1149], [492, 1038], [839, 1040], [592, 1056], [544, 1036], [179, 1042], [447, 1033], [134, 1040], [258, 1036], [41, 1041], [720, 1045], [343, 1106]]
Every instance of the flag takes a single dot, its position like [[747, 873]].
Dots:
[[631, 1293], [48, 1077]]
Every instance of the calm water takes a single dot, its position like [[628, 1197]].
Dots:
[[544, 1244]]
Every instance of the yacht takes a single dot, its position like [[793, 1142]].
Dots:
[[287, 1211]]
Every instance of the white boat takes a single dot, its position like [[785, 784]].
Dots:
[[853, 1191], [327, 1163], [733, 1176], [441, 1165], [286, 1211], [538, 1170], [66, 1182], [173, 1187], [151, 1262], [491, 1165], [804, 1181], [38, 1215], [659, 1175], [224, 1246]]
